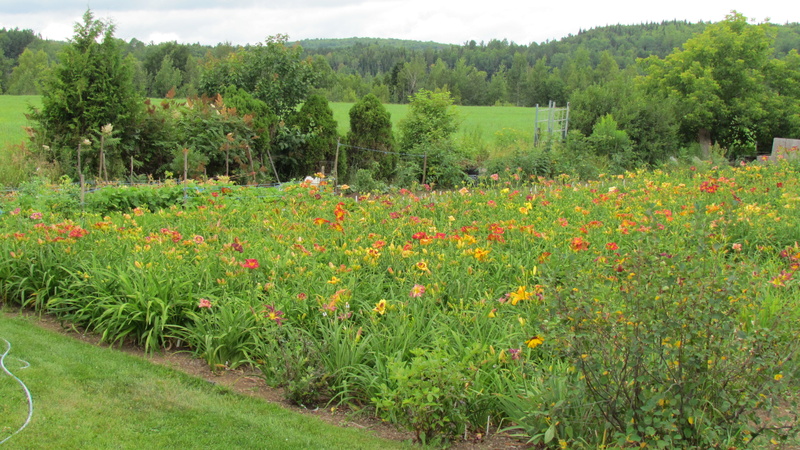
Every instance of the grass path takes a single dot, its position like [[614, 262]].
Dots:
[[92, 397]]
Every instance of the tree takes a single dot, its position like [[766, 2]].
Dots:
[[649, 121], [371, 128], [431, 118], [469, 84], [607, 69], [14, 41], [516, 77], [428, 129], [608, 140], [261, 120], [28, 76], [718, 80], [578, 71], [440, 74], [190, 75], [167, 77], [272, 72], [91, 87], [410, 78], [315, 119], [498, 88]]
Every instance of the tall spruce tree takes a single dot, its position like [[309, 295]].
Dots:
[[90, 88]]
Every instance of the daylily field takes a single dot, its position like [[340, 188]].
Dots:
[[656, 307]]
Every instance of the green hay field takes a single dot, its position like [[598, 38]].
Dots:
[[12, 117], [483, 121]]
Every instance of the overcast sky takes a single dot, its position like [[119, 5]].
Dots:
[[449, 21]]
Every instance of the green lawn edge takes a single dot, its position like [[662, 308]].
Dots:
[[93, 397]]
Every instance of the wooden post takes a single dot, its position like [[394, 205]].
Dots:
[[424, 167], [100, 169], [185, 174], [185, 164], [336, 167], [83, 190], [79, 156], [80, 175], [272, 163], [131, 169], [252, 163]]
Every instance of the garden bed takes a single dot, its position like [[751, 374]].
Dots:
[[652, 307]]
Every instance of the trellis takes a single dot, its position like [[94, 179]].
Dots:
[[551, 120]]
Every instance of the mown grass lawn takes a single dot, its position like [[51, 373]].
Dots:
[[90, 397]]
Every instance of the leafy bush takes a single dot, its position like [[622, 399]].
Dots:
[[550, 406], [675, 361], [217, 140], [124, 198], [39, 195], [427, 394], [288, 357], [534, 162], [445, 165], [365, 182]]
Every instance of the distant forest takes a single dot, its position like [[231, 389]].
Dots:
[[497, 72]]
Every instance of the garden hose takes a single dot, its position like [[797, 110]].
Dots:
[[25, 388]]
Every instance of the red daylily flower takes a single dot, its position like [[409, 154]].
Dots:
[[250, 264]]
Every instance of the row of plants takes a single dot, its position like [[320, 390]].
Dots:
[[69, 197], [655, 307]]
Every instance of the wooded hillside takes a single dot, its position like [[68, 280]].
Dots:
[[485, 73]]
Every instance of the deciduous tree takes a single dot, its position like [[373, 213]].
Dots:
[[428, 130], [273, 72], [28, 76], [719, 81], [315, 120], [167, 77], [431, 118]]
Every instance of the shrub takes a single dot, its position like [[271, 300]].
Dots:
[[669, 357], [371, 128], [427, 395], [365, 179], [318, 149]]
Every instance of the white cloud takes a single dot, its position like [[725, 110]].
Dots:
[[242, 21]]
